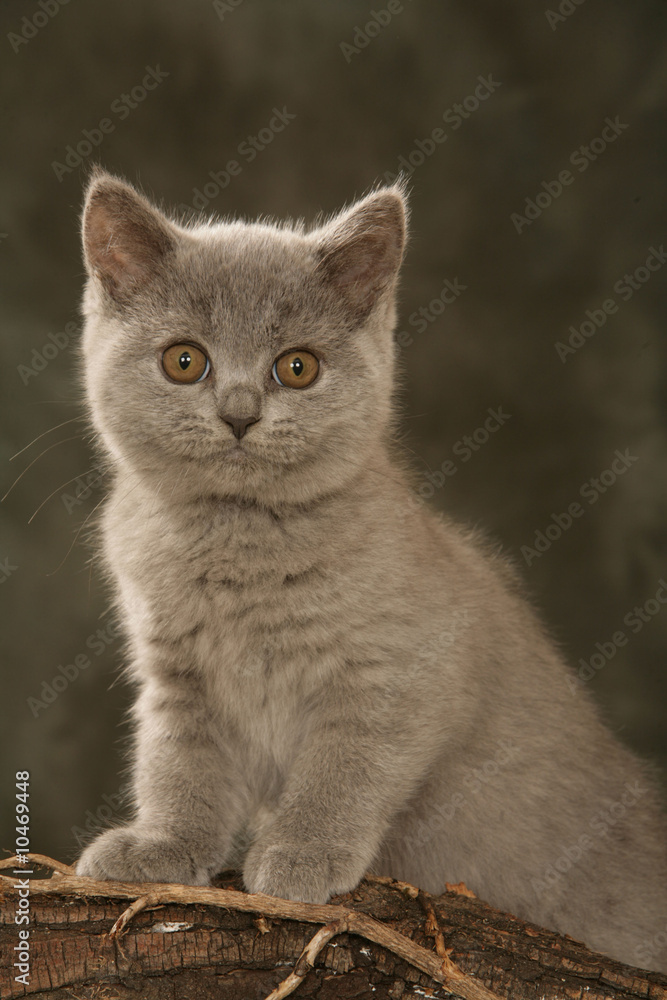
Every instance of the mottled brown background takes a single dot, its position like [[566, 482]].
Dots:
[[493, 347]]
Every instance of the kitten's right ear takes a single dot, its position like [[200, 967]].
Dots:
[[125, 239], [361, 250]]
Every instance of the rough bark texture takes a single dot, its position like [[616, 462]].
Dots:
[[183, 952]]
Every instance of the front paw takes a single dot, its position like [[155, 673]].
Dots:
[[310, 873], [125, 854]]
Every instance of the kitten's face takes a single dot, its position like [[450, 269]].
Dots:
[[190, 334]]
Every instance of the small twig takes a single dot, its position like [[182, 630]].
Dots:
[[142, 903], [306, 960], [38, 859], [433, 929], [460, 888], [407, 888]]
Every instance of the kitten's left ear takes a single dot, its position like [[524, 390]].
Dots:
[[361, 250], [125, 239]]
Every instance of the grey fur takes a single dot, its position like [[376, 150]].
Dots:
[[329, 673]]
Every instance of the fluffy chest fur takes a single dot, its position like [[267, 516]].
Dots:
[[268, 610]]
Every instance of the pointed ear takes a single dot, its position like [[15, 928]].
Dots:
[[361, 250], [125, 239]]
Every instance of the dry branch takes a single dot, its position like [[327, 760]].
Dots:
[[226, 943]]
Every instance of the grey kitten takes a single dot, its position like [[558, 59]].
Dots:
[[332, 679]]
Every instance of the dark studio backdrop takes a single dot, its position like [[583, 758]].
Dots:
[[532, 314]]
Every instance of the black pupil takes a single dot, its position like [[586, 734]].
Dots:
[[297, 366], [184, 360]]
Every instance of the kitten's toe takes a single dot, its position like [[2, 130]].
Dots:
[[310, 874], [124, 854]]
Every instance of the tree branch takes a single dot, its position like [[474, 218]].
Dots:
[[237, 939]]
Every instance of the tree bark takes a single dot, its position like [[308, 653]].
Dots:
[[243, 947]]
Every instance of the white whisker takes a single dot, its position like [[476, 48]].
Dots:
[[44, 433], [76, 537], [58, 488], [75, 437]]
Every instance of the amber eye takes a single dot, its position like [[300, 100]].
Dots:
[[296, 369], [185, 363]]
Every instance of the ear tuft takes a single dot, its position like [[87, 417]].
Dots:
[[125, 239], [361, 250]]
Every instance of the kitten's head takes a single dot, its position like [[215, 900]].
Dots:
[[236, 359]]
